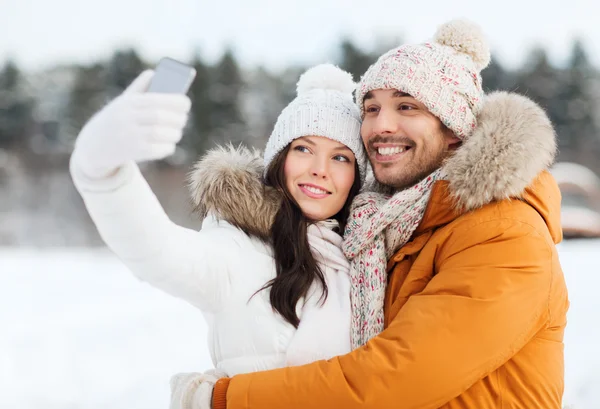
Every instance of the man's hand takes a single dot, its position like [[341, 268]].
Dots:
[[135, 126], [194, 390]]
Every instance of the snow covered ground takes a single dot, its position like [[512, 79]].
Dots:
[[77, 331]]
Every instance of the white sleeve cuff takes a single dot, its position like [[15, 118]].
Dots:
[[110, 183]]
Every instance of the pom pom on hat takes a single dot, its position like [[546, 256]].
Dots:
[[326, 76], [465, 37]]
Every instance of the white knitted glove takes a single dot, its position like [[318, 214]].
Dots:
[[194, 390], [135, 126]]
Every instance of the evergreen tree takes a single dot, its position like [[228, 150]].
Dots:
[[543, 83], [354, 60], [225, 94], [496, 77], [197, 136], [16, 107], [266, 96], [87, 96], [579, 104], [122, 69]]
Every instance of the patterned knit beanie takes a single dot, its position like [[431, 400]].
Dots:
[[323, 107], [444, 74]]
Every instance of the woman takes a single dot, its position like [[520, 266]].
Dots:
[[266, 268]]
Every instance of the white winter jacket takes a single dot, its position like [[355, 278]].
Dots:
[[219, 268]]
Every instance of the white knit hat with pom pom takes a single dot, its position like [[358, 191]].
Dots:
[[444, 75], [324, 107]]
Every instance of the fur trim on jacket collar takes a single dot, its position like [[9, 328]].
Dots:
[[227, 182], [514, 141]]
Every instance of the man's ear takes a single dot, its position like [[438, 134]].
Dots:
[[450, 139]]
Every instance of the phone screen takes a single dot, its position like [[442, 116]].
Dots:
[[172, 76]]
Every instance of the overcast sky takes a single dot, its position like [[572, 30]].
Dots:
[[276, 33]]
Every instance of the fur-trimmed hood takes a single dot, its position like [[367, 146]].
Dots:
[[228, 183], [513, 143]]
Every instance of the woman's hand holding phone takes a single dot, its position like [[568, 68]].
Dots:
[[139, 125]]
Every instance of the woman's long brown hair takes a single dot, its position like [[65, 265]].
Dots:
[[295, 265]]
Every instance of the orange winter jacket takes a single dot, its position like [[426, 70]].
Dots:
[[476, 303]]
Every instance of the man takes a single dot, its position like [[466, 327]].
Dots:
[[475, 299]]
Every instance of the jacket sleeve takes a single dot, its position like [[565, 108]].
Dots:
[[182, 262], [487, 300]]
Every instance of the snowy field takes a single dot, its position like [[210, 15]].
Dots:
[[77, 331]]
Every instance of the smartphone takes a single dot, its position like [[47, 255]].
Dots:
[[172, 76]]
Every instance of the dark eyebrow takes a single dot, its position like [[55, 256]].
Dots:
[[397, 94], [305, 139], [339, 148], [400, 94]]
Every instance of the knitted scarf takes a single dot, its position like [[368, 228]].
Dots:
[[377, 227]]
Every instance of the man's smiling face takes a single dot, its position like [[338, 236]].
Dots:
[[405, 142]]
